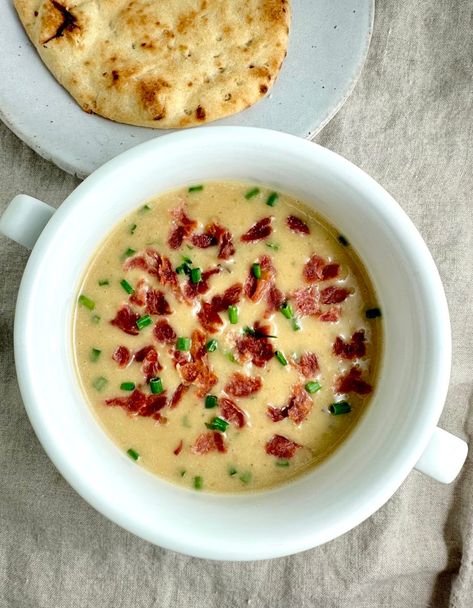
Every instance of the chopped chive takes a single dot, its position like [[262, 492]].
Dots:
[[210, 401], [272, 198], [282, 463], [252, 193], [340, 407], [143, 322], [186, 259], [232, 471], [133, 227], [95, 354], [197, 188], [183, 344], [245, 477], [256, 270], [296, 324], [145, 208], [189, 247], [126, 286], [233, 314], [103, 282], [183, 269], [133, 454], [128, 252], [198, 482], [249, 331], [183, 472], [186, 422], [211, 346], [156, 386], [312, 387], [196, 275], [286, 310], [95, 319], [217, 424], [87, 302], [273, 246], [343, 240], [280, 357], [231, 357], [99, 383], [372, 313], [127, 386]]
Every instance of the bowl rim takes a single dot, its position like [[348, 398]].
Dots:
[[351, 172]]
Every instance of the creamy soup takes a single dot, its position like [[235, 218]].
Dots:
[[226, 337]]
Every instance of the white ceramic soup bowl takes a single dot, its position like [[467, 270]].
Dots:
[[398, 431]]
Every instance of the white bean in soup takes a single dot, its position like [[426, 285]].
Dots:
[[226, 337]]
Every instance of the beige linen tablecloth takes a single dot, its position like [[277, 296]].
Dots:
[[408, 124]]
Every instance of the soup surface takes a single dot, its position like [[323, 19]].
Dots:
[[226, 337]]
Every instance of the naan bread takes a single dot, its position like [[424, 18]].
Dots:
[[160, 63]]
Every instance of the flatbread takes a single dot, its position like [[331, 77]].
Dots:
[[160, 63]]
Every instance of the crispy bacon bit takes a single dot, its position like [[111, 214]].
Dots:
[[250, 287], [126, 319], [353, 349], [139, 403], [209, 442], [224, 240], [180, 357], [258, 231], [299, 405], [281, 447], [255, 289], [121, 356], [158, 266], [230, 297], [297, 225], [204, 240], [240, 385], [332, 315], [156, 303], [317, 269], [151, 365], [139, 296], [177, 395], [198, 350], [334, 295], [275, 299], [164, 333], [307, 365], [352, 383], [231, 412], [192, 290], [256, 349], [277, 413], [178, 449], [306, 300], [183, 227], [209, 318]]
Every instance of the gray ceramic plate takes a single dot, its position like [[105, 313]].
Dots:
[[329, 41]]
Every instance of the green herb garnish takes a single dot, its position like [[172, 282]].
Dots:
[[282, 463], [232, 471], [210, 401], [95, 354], [256, 270], [286, 310], [231, 357], [197, 188], [133, 227], [133, 454], [126, 286], [196, 275], [103, 282], [296, 324], [233, 314], [252, 193], [145, 208], [312, 387], [183, 344], [87, 302], [272, 198], [245, 477], [340, 407], [127, 386], [183, 269], [99, 383], [156, 386], [217, 424], [273, 246], [143, 322], [128, 252], [280, 357], [211, 346], [198, 482]]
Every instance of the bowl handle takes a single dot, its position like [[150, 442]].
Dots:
[[443, 457], [24, 219]]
